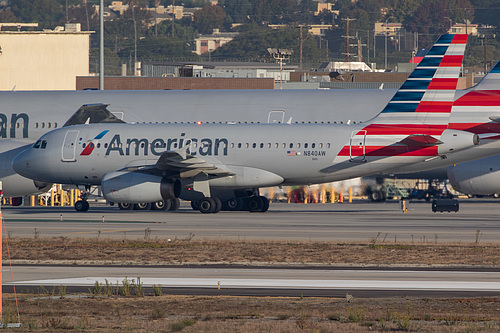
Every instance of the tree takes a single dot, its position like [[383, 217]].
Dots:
[[160, 49], [487, 12], [7, 16], [183, 32], [209, 18], [403, 10], [252, 45], [428, 21], [47, 13]]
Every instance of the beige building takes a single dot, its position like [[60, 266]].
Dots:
[[43, 60], [462, 28], [210, 43], [391, 29]]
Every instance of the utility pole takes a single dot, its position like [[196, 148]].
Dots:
[[347, 37], [101, 45], [484, 38], [300, 46], [173, 18]]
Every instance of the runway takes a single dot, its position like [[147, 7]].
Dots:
[[264, 281], [360, 221], [476, 220]]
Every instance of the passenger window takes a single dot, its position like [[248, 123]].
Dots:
[[298, 145], [284, 145], [98, 145], [83, 146], [105, 145], [313, 145], [232, 145], [48, 125], [276, 145], [305, 145], [268, 145], [246, 145], [328, 145], [254, 145], [55, 125], [43, 125], [321, 145], [261, 145], [291, 145], [37, 144], [36, 125], [239, 145]]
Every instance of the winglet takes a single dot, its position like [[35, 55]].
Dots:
[[92, 114]]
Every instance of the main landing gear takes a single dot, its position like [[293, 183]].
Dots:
[[170, 205], [214, 205], [83, 205]]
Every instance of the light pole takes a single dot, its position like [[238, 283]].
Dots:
[[280, 55], [386, 33]]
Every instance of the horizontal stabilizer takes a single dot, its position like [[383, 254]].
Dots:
[[420, 140], [92, 114]]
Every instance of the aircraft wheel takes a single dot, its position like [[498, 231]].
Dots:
[[195, 205], [82, 206], [142, 206], [265, 204], [125, 205], [234, 204], [218, 205], [207, 205], [17, 201], [255, 204], [376, 196], [159, 205], [174, 204]]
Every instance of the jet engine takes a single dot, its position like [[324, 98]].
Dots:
[[135, 187], [455, 140], [476, 177]]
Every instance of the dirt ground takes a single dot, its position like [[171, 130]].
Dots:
[[139, 311], [191, 251]]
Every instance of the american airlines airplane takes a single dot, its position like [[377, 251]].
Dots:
[[26, 115], [223, 165]]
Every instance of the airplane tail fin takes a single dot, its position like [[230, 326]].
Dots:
[[478, 110], [426, 98], [490, 81]]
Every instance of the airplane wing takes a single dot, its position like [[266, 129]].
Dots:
[[180, 163], [183, 163]]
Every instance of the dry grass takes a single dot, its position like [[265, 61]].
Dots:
[[190, 251], [251, 314], [257, 314]]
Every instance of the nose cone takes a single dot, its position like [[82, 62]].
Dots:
[[22, 164]]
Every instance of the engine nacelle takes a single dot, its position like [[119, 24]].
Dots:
[[476, 177], [455, 140], [135, 187]]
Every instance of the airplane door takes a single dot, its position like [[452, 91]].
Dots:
[[357, 147], [69, 146], [276, 117]]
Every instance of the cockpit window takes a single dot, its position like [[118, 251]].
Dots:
[[43, 145], [37, 144]]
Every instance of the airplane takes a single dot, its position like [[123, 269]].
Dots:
[[223, 165], [27, 115]]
